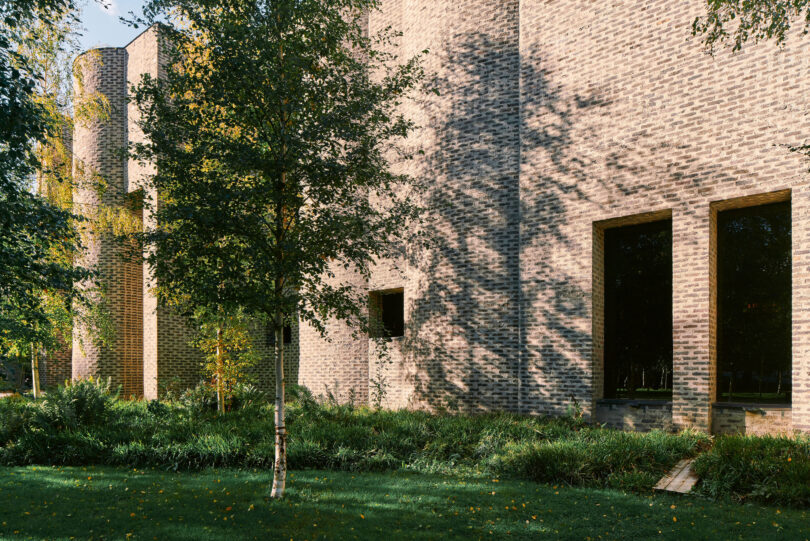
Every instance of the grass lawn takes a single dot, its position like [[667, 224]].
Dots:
[[110, 503]]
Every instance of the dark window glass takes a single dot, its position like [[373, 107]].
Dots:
[[638, 311], [754, 304], [271, 335], [388, 313]]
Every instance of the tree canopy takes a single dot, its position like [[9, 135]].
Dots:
[[35, 231], [738, 21], [272, 135]]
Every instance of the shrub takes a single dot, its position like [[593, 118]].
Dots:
[[80, 403], [199, 399], [187, 434], [767, 469], [247, 396], [157, 408]]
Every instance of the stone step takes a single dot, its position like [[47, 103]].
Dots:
[[680, 480]]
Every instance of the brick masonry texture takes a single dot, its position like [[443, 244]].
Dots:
[[751, 420], [96, 155], [168, 358], [634, 415], [152, 347], [556, 121], [623, 114]]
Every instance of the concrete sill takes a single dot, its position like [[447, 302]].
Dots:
[[631, 403], [753, 408]]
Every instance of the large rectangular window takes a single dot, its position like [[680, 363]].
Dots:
[[638, 311], [754, 304]]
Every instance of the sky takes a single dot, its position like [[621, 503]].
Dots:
[[102, 26]]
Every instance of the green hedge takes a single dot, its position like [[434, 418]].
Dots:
[[73, 427], [766, 469]]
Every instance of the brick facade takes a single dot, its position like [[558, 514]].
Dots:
[[151, 349], [100, 169], [556, 121]]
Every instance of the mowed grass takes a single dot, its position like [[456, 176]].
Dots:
[[113, 503]]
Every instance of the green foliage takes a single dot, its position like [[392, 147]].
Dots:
[[199, 399], [248, 396], [769, 469], [272, 156], [738, 21], [189, 435], [272, 135], [42, 503], [599, 457], [226, 342], [79, 404], [37, 280]]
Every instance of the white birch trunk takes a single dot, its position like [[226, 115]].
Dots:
[[220, 384], [280, 467], [35, 372]]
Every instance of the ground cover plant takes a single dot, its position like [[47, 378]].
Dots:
[[126, 503], [768, 469], [83, 425]]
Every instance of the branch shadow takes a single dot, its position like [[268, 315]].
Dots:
[[501, 318]]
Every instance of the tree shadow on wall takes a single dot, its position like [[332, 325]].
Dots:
[[463, 336], [476, 339]]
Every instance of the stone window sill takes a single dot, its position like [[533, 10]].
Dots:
[[633, 403], [752, 407]]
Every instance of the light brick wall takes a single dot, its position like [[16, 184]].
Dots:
[[460, 348], [623, 114], [168, 357], [336, 364], [634, 414], [555, 119], [752, 420], [554, 122], [97, 154]]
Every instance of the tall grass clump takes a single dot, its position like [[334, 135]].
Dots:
[[87, 425], [766, 469]]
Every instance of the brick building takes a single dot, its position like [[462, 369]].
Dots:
[[561, 130]]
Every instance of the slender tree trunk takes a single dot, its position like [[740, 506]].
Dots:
[[280, 468], [35, 371], [220, 375]]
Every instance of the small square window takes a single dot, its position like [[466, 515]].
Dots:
[[271, 335], [387, 311]]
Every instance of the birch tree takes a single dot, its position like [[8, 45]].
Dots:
[[273, 135], [37, 226]]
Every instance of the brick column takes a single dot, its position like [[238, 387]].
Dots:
[[800, 209], [692, 316], [100, 170], [167, 355]]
